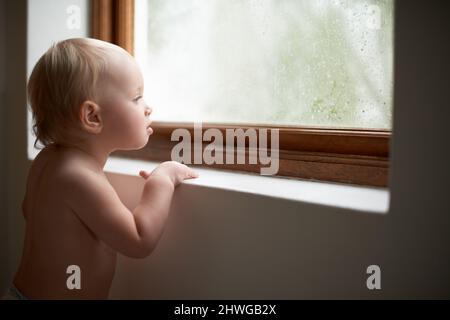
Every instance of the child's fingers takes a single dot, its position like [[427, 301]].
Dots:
[[192, 174], [144, 174]]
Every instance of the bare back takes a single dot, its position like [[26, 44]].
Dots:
[[56, 238]]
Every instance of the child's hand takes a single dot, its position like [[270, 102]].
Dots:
[[175, 171]]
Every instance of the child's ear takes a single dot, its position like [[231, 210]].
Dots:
[[90, 117]]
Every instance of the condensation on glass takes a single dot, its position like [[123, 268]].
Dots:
[[284, 62]]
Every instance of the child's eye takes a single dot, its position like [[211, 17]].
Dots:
[[137, 99]]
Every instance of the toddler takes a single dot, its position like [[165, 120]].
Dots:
[[86, 100]]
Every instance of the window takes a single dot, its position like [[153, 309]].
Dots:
[[320, 71]]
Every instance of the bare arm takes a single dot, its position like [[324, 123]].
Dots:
[[135, 234]]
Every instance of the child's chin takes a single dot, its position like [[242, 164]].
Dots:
[[138, 145]]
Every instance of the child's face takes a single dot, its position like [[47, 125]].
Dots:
[[124, 112]]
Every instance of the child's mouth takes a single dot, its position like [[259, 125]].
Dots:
[[149, 130]]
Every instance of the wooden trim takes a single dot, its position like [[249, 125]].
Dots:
[[113, 21], [124, 26], [336, 155], [102, 20]]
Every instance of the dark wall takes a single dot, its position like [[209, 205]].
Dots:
[[3, 183], [419, 220], [14, 163]]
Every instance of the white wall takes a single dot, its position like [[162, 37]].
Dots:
[[221, 244], [47, 23]]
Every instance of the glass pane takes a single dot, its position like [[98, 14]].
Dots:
[[288, 62]]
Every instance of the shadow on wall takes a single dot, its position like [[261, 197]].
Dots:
[[14, 163], [4, 241]]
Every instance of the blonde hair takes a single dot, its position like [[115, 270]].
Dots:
[[63, 78]]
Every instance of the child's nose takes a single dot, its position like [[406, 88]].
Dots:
[[148, 111]]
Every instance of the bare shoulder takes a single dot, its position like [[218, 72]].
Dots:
[[57, 158], [76, 174], [62, 164], [65, 171], [45, 166]]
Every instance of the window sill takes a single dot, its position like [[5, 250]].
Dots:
[[365, 199]]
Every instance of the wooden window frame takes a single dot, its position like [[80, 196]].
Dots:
[[344, 155], [113, 21]]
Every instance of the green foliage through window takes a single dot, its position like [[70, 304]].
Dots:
[[288, 62]]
